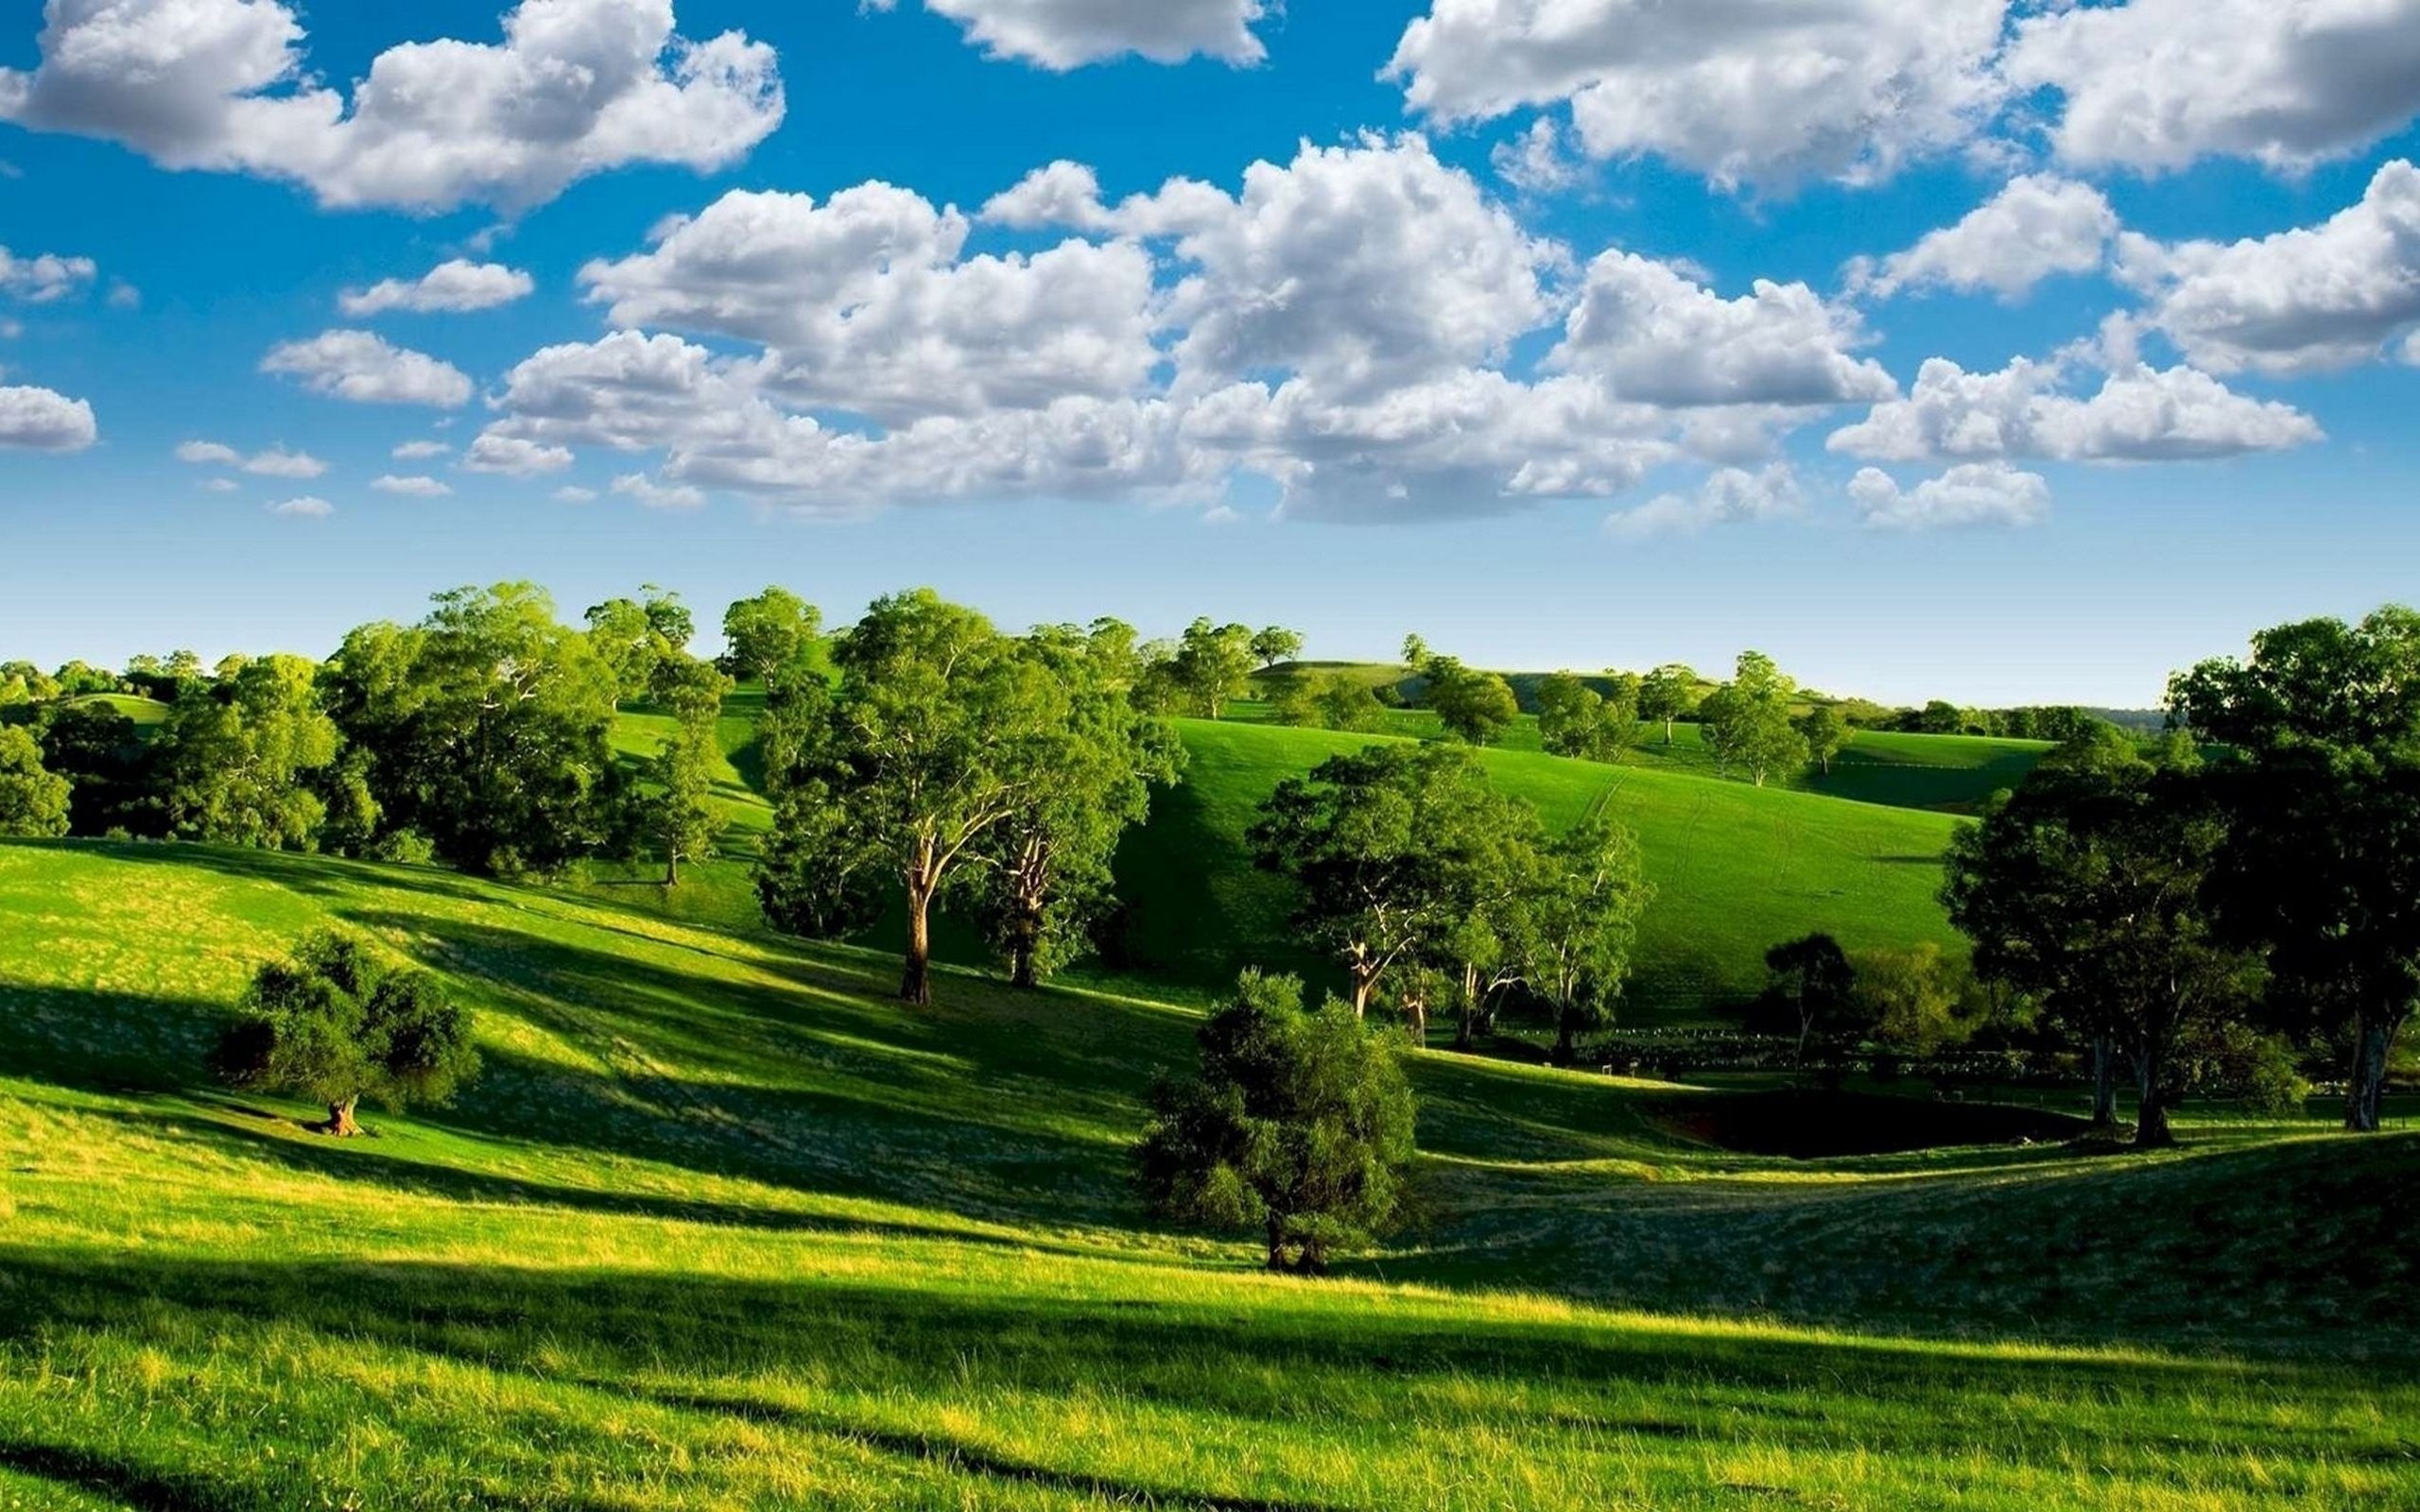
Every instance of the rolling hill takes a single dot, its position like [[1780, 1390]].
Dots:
[[722, 1227]]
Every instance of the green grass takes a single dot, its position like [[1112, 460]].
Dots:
[[148, 713], [1736, 868], [721, 1228]]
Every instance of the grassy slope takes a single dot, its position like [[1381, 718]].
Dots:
[[720, 1228], [146, 714], [1736, 869]]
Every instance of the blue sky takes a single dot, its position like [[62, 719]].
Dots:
[[1586, 335]]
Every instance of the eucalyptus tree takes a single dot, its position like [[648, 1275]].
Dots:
[[33, 802], [680, 811], [1747, 720], [1583, 922], [239, 759], [1826, 734], [1667, 694]]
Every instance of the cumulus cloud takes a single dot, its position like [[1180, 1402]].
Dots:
[[1728, 495], [1064, 34], [45, 278], [2156, 84], [455, 286], [1536, 161], [1972, 493], [277, 462], [657, 496], [361, 365], [412, 487], [1653, 336], [513, 456], [2304, 300], [2138, 414], [573, 88], [43, 420], [306, 508], [420, 451], [2039, 225], [1745, 91]]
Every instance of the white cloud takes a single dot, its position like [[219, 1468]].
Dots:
[[1972, 493], [1064, 34], [1728, 495], [514, 457], [1068, 194], [2138, 414], [362, 367], [1739, 91], [657, 496], [2037, 225], [277, 462], [574, 494], [209, 454], [420, 451], [1655, 336], [574, 88], [45, 278], [42, 420], [411, 488], [871, 308], [306, 508], [458, 286], [1535, 162], [2304, 300], [2155, 84]]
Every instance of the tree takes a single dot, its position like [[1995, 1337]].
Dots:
[[769, 638], [1667, 693], [1584, 915], [1826, 734], [1368, 836], [334, 1024], [1346, 703], [1909, 1000], [1048, 862], [1292, 699], [1276, 643], [33, 803], [1213, 666], [1475, 707], [1747, 720], [937, 735], [488, 727], [1812, 974], [1415, 652], [1575, 720], [98, 750], [239, 759], [2320, 779], [681, 811], [634, 636], [1299, 1126]]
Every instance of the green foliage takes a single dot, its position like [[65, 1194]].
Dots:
[[1667, 694], [1299, 1126], [1293, 698], [239, 760], [1747, 721], [1827, 733], [1915, 1001], [1212, 666], [635, 636], [772, 638], [33, 802], [1349, 704], [1575, 720], [1476, 708], [1584, 918], [1813, 977], [486, 728], [334, 1023], [680, 811], [1276, 643]]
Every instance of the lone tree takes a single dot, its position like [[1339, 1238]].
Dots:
[[1475, 707], [2321, 780], [769, 636], [1274, 645], [1812, 974], [1826, 734], [1212, 666], [1299, 1126], [1747, 720], [1373, 837], [680, 812], [939, 733], [334, 1024], [1584, 918], [1667, 694], [33, 803]]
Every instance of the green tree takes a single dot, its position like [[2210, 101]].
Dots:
[[33, 802], [1293, 698], [1047, 863], [99, 750], [680, 811], [1299, 1126], [1910, 999], [333, 1024], [239, 760], [1575, 720], [1345, 702], [1213, 666], [1667, 694], [1747, 721], [1475, 707], [2320, 777], [1274, 645], [488, 726], [771, 637], [1369, 836], [634, 636], [1826, 734], [937, 736], [1812, 974], [1583, 919]]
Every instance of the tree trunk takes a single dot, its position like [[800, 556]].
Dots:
[[1276, 1242], [1417, 1011], [1566, 1037], [341, 1124], [1022, 951], [1668, 731], [2151, 1109], [916, 980], [671, 865], [1365, 981], [2104, 1081], [2365, 1089]]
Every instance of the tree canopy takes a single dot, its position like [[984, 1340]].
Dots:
[[1747, 721], [33, 802]]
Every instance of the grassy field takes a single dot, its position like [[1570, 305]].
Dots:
[[720, 1228], [148, 713]]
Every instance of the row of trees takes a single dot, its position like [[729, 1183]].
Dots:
[[2259, 872]]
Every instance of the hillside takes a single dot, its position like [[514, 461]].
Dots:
[[720, 1228]]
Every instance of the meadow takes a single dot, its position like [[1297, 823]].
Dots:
[[720, 1227]]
